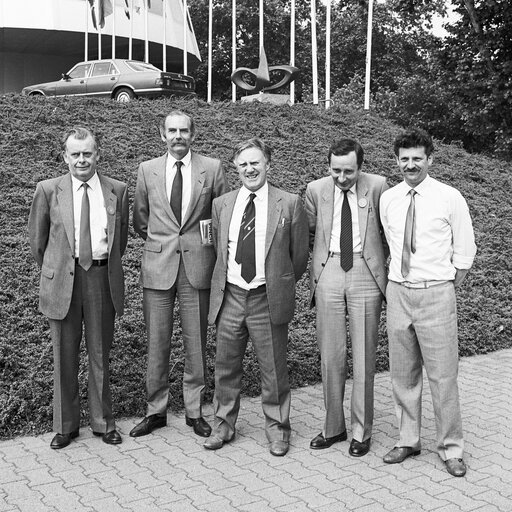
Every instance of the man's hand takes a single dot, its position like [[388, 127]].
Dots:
[[460, 274]]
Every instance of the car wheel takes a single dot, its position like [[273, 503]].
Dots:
[[124, 95]]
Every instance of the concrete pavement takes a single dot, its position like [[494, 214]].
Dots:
[[170, 470]]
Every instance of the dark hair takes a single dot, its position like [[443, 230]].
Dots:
[[255, 142], [80, 133], [414, 138], [161, 123], [344, 147]]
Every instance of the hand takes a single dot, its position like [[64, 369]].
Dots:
[[460, 274]]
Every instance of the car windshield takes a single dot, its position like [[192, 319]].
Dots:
[[140, 66]]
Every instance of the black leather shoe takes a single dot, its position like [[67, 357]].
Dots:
[[148, 424], [455, 467], [201, 427], [112, 437], [399, 454], [358, 449], [320, 442], [62, 440]]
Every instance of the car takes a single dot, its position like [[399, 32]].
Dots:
[[119, 79]]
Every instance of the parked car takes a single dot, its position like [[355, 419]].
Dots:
[[120, 79]]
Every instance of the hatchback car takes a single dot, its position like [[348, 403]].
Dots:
[[122, 80]]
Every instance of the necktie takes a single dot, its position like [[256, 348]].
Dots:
[[176, 191], [245, 252], [409, 235], [85, 247], [346, 244]]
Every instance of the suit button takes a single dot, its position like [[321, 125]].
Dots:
[[316, 281], [323, 264], [71, 273], [181, 233], [178, 251]]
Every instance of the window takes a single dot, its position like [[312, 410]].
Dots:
[[80, 71]]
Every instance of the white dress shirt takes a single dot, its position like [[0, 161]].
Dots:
[[234, 274], [97, 216], [444, 232], [339, 197], [186, 172]]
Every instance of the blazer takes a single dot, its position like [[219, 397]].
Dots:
[[165, 240], [320, 207], [52, 241], [286, 251]]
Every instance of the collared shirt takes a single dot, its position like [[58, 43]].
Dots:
[[97, 216], [444, 232], [339, 197], [234, 275], [186, 172]]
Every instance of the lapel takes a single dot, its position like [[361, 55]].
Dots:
[[327, 209], [196, 183], [110, 201], [224, 221], [273, 216], [158, 172], [363, 207], [65, 200]]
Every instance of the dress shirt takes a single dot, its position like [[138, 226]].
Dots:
[[234, 275], [334, 244], [444, 232], [97, 216], [186, 172]]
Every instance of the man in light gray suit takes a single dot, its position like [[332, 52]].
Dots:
[[348, 279], [172, 213], [261, 238]]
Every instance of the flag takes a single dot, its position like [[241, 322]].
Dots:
[[127, 9], [104, 9]]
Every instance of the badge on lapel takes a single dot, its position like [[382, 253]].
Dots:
[[362, 202], [111, 210]]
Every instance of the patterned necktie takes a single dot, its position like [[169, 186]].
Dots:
[[409, 235], [85, 247], [346, 243], [176, 191], [245, 251]]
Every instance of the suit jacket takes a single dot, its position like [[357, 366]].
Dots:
[[286, 251], [52, 241], [320, 207], [165, 239]]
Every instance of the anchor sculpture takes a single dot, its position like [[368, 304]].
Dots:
[[259, 81]]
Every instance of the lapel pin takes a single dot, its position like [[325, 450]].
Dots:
[[111, 210], [362, 202]]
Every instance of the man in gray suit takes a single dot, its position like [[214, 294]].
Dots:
[[78, 229], [348, 278], [172, 213], [261, 239]]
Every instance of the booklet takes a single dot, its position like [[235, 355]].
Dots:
[[206, 232]]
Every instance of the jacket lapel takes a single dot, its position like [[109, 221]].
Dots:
[[224, 222], [273, 216], [362, 207], [158, 172], [327, 210], [197, 184], [110, 201], [65, 199]]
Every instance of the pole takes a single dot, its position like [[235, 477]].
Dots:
[[96, 3], [314, 62], [261, 25], [185, 26], [86, 38], [130, 40], [328, 56], [210, 42], [292, 48], [233, 48], [164, 47], [368, 57], [146, 40], [113, 29]]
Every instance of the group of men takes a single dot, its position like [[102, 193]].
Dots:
[[232, 258]]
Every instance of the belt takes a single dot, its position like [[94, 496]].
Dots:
[[259, 289], [421, 284], [338, 254], [96, 263]]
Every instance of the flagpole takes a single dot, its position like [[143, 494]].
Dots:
[[164, 47], [261, 25], [185, 59], [292, 48], [113, 29], [328, 56], [233, 48], [86, 38], [98, 26], [210, 42], [314, 62], [130, 41], [146, 40], [368, 56]]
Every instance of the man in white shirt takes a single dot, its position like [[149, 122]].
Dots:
[[261, 238], [431, 240], [78, 229], [172, 213]]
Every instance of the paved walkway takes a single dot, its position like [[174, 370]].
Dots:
[[170, 470]]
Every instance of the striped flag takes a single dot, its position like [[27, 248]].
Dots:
[[104, 9]]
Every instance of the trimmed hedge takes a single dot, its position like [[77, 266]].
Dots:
[[30, 131]]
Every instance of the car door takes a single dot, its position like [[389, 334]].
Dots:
[[74, 82], [103, 78]]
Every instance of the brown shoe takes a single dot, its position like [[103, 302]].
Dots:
[[399, 454], [279, 448], [455, 467], [216, 442]]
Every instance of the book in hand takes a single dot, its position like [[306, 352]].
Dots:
[[206, 232]]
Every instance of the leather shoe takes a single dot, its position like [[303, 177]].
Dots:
[[279, 448], [112, 437], [201, 427], [399, 454], [62, 440], [359, 448], [148, 424], [215, 442], [455, 467], [320, 442]]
